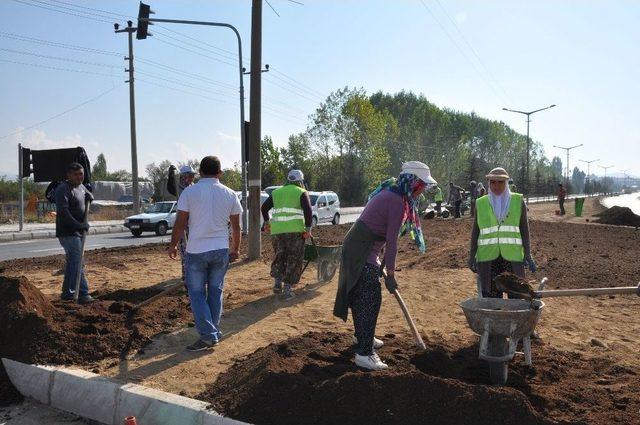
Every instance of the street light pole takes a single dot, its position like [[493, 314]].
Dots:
[[568, 149], [528, 114], [605, 176], [588, 172], [242, 126]]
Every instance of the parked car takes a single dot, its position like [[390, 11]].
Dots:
[[325, 207], [270, 189], [158, 217], [263, 197]]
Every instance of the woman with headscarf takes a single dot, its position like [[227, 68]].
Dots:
[[391, 211], [500, 236]]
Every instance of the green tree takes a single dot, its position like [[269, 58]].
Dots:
[[232, 177], [272, 166], [119, 176], [99, 170], [158, 175]]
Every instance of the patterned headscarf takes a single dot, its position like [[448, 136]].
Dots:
[[403, 186]]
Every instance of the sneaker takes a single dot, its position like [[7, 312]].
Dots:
[[277, 287], [288, 293], [66, 297], [201, 345], [86, 299], [371, 362], [377, 343]]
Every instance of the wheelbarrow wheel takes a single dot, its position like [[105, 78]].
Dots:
[[498, 371], [326, 270]]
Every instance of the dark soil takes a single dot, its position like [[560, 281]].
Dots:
[[311, 379], [36, 329], [621, 216]]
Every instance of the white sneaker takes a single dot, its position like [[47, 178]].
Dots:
[[371, 362], [377, 343]]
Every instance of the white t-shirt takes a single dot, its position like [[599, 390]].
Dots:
[[209, 204]]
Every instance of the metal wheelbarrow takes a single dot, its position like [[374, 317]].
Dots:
[[327, 259]]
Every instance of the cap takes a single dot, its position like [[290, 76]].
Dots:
[[185, 169], [498, 173], [295, 176], [419, 169]]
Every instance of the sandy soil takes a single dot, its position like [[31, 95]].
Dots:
[[569, 252]]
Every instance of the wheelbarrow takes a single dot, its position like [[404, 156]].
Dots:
[[327, 259], [502, 323]]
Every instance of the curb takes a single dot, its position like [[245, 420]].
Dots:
[[99, 399], [47, 234]]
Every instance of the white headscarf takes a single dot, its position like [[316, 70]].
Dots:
[[500, 203]]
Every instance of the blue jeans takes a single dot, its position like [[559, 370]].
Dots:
[[72, 246], [205, 281]]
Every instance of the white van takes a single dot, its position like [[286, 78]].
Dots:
[[325, 207]]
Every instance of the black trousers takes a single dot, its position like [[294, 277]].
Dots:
[[561, 202], [457, 205], [365, 300]]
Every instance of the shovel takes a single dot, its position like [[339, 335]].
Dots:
[[519, 288], [407, 316], [87, 204]]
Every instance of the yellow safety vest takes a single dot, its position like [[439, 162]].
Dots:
[[288, 215], [499, 239]]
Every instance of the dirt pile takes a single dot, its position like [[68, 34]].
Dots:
[[621, 216], [311, 379], [34, 329]]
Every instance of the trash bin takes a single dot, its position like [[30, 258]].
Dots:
[[579, 206]]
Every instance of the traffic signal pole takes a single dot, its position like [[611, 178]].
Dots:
[[130, 29]]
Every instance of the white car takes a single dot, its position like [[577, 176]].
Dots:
[[158, 217], [325, 207]]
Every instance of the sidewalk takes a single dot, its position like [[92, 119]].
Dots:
[[9, 232]]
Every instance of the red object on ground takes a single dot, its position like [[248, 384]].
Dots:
[[130, 420]]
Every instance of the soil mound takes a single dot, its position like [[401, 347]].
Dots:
[[311, 379], [34, 329], [621, 216]]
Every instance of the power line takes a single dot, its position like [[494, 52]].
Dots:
[[272, 8], [21, 52], [457, 46], [57, 44], [62, 113], [61, 11], [187, 73], [55, 68]]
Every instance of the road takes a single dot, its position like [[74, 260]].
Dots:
[[45, 247], [631, 200]]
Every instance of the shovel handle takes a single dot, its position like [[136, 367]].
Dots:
[[619, 290]]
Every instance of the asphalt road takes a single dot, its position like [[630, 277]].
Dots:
[[45, 247]]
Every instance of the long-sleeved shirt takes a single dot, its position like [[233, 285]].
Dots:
[[562, 193], [305, 204], [524, 234], [455, 193], [70, 208], [384, 215]]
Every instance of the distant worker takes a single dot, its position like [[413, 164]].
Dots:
[[500, 236], [391, 209], [291, 226], [71, 197], [187, 175], [512, 185], [207, 207], [562, 194], [455, 198], [473, 195], [438, 198], [481, 190]]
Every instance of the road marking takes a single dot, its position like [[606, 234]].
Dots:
[[44, 250]]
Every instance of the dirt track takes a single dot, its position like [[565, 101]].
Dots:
[[599, 334]]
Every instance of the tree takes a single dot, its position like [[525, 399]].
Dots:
[[232, 177], [158, 175], [577, 180], [119, 176], [272, 167], [99, 170], [556, 166], [193, 163]]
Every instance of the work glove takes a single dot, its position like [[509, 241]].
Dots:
[[391, 283], [84, 227], [472, 264], [531, 264]]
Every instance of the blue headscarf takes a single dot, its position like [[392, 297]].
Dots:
[[403, 186]]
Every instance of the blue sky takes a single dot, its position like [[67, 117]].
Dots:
[[464, 55]]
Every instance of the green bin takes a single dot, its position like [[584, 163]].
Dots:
[[579, 206]]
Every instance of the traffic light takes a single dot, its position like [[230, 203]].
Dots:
[[143, 25]]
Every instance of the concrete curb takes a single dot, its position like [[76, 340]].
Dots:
[[47, 234], [99, 399]]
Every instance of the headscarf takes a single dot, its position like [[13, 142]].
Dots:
[[500, 203], [403, 186]]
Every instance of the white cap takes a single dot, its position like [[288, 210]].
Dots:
[[185, 169], [295, 176], [419, 169]]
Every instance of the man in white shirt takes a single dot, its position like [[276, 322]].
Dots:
[[207, 207]]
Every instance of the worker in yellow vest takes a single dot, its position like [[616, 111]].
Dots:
[[500, 236], [290, 225], [438, 198]]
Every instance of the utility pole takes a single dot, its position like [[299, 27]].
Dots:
[[605, 176], [526, 189], [130, 29], [568, 149], [255, 171], [21, 178], [588, 173]]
